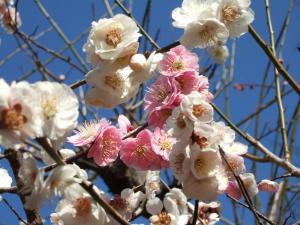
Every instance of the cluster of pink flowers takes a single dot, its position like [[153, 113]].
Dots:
[[147, 151], [182, 135], [179, 71]]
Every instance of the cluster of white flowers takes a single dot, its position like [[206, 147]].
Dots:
[[209, 23], [43, 109], [196, 160], [117, 70], [9, 17]]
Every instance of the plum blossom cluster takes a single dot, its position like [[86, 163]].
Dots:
[[9, 17], [208, 24], [42, 109], [117, 70]]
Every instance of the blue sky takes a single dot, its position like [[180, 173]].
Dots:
[[75, 16]]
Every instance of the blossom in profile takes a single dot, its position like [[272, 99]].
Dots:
[[106, 146], [6, 180], [59, 108], [60, 178], [64, 153], [178, 160], [110, 87], [10, 19], [87, 132], [233, 190], [28, 172], [268, 186], [19, 113], [209, 213], [177, 61], [162, 143], [236, 15], [138, 152], [111, 39], [219, 53], [124, 125]]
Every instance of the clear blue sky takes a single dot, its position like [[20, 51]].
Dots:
[[75, 16]]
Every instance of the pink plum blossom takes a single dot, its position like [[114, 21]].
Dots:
[[159, 116], [188, 81], [107, 145], [177, 61], [162, 93], [162, 143], [124, 125], [233, 190], [87, 132], [138, 153]]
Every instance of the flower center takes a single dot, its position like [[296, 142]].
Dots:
[[12, 118], [180, 121], [199, 164], [113, 37], [119, 203], [82, 206], [202, 141], [161, 95], [177, 65], [49, 108], [113, 81], [165, 145], [198, 110], [163, 219], [207, 34], [231, 13], [141, 150]]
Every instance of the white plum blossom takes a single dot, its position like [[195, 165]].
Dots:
[[78, 209], [154, 206], [179, 126], [6, 180], [249, 183], [178, 159], [236, 148], [59, 108], [209, 213], [195, 107], [205, 163], [111, 39], [18, 113], [60, 178], [268, 186], [224, 134], [175, 201], [204, 33], [144, 69], [236, 15], [191, 10], [176, 211], [64, 153], [28, 172], [207, 189], [110, 88]]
